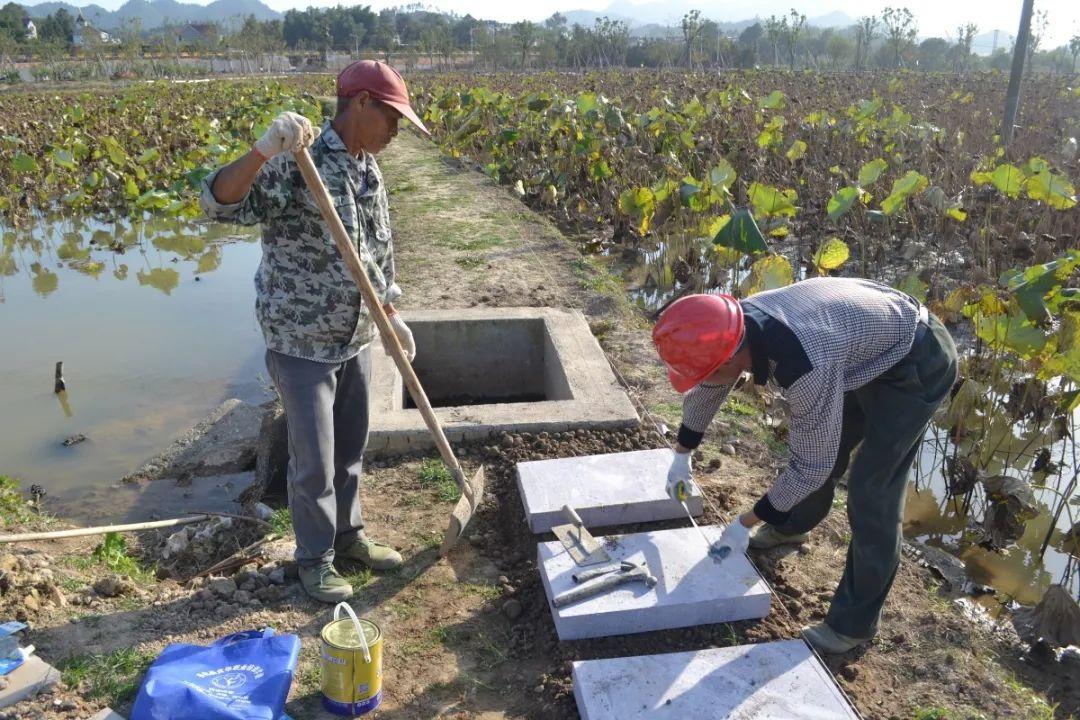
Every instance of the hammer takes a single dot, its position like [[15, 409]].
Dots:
[[580, 577], [632, 574]]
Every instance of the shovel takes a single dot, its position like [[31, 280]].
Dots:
[[472, 490]]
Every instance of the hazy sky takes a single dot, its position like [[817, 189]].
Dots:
[[935, 17]]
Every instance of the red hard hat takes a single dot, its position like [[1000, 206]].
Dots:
[[696, 335]]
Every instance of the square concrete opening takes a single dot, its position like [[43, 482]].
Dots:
[[494, 370], [456, 363], [768, 681]]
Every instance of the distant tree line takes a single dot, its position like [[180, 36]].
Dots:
[[414, 36]]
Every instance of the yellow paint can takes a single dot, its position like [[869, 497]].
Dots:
[[351, 651]]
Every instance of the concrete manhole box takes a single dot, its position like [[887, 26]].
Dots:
[[493, 370]]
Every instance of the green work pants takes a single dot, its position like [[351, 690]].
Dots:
[[884, 423]]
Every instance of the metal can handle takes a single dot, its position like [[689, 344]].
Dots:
[[356, 624]]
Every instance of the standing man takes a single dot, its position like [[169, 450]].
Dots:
[[859, 363], [318, 332]]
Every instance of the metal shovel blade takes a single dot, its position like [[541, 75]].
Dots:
[[472, 494]]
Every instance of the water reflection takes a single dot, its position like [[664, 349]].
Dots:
[[153, 318], [62, 396], [88, 246], [1017, 572]]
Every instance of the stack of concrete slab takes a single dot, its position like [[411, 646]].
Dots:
[[616, 489], [771, 680], [768, 681], [630, 487]]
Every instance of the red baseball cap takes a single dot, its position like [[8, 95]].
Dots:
[[383, 82]]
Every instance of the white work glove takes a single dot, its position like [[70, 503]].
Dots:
[[287, 133], [680, 482], [404, 336], [736, 536]]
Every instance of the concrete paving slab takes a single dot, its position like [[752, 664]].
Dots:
[[612, 489], [108, 714], [692, 588], [770, 681], [32, 677]]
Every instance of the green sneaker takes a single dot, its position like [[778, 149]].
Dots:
[[767, 536], [373, 554], [325, 584], [828, 641]]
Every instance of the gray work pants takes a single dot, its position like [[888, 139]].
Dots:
[[326, 407], [886, 420]]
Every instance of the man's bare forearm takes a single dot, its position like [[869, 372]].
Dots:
[[233, 182]]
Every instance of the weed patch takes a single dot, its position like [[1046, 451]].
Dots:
[[113, 677], [434, 475], [931, 714], [112, 552], [488, 592], [16, 511], [281, 522], [469, 262]]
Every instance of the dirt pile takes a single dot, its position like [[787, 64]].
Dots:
[[56, 703], [198, 547], [245, 591], [28, 586]]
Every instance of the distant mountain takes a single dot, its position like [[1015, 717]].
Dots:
[[648, 19], [153, 14], [835, 19], [94, 14], [985, 44], [588, 18]]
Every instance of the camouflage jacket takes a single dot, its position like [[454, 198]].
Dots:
[[307, 302]]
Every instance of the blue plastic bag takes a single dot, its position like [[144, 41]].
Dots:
[[11, 655], [245, 676]]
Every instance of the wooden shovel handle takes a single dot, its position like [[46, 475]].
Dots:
[[371, 299]]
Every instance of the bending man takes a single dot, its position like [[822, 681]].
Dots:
[[860, 364]]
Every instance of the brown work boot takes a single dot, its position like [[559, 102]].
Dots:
[[325, 584], [373, 554]]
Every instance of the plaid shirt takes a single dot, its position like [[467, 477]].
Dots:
[[850, 332]]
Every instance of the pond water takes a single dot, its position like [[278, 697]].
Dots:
[[1017, 572], [151, 340]]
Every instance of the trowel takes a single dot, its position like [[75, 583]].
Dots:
[[578, 541]]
